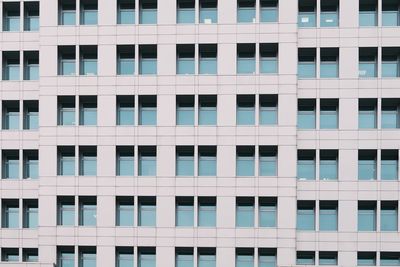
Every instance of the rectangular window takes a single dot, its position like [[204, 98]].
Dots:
[[88, 60], [207, 110], [126, 12], [31, 114], [207, 161], [269, 58], [269, 11], [66, 60], [246, 11], [88, 110], [11, 17], [184, 161], [390, 13], [66, 160], [244, 212], [368, 13], [329, 67], [125, 161], [389, 216], [367, 118], [125, 211], [10, 164], [10, 115], [31, 16], [88, 14], [88, 160], [366, 258], [389, 164], [328, 258], [244, 257], [10, 213], [267, 211], [87, 256], [306, 216], [184, 211], [66, 12], [390, 259], [245, 160], [366, 216], [124, 256], [147, 257], [306, 164], [66, 211], [185, 110], [267, 257], [148, 59], [148, 12], [185, 11], [328, 215], [330, 13], [390, 61], [208, 59], [184, 59], [87, 211], [245, 109], [306, 68], [206, 257], [125, 110], [208, 11], [328, 165], [65, 256], [367, 165], [11, 67], [10, 254], [367, 62], [329, 114], [305, 258], [390, 113], [148, 110], [268, 110], [268, 158], [30, 213], [147, 211], [31, 65], [307, 14], [147, 161], [184, 257], [246, 59], [30, 255], [125, 59], [207, 212]]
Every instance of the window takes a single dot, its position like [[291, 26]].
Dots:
[[148, 110], [268, 156], [267, 211], [66, 211], [88, 14], [10, 254], [269, 11], [67, 12], [390, 61], [389, 165], [245, 109], [305, 258], [65, 256], [367, 65], [31, 114], [244, 257], [244, 212], [328, 165], [66, 60], [148, 59], [328, 258], [267, 257], [147, 257], [31, 164], [184, 257], [126, 12], [10, 164], [208, 59], [184, 211], [88, 110], [207, 110], [207, 212], [207, 165], [124, 256], [307, 13], [390, 113], [10, 115], [390, 13], [389, 215], [66, 160], [87, 211], [366, 216], [306, 164], [269, 58], [329, 13], [328, 215], [147, 161], [31, 65], [11, 17], [30, 213], [206, 257], [184, 59], [125, 59], [184, 161], [367, 113], [184, 110], [87, 256], [268, 110], [390, 259], [88, 160], [366, 258], [148, 12], [10, 213], [31, 16], [329, 67], [125, 211], [185, 11], [126, 110], [125, 161], [329, 114], [306, 68], [305, 216], [245, 160], [88, 60], [147, 211], [246, 11], [367, 165], [11, 65], [368, 15], [246, 59], [30, 255], [208, 12]]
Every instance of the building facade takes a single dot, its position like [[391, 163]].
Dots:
[[199, 133]]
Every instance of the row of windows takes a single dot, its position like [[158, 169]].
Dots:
[[12, 62], [13, 254], [11, 213], [13, 11], [11, 110]]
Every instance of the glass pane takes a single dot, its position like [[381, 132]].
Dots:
[[305, 219], [148, 66], [328, 120], [148, 16], [125, 260], [389, 169], [67, 166], [367, 18], [148, 116], [147, 260], [267, 166], [246, 65], [306, 19], [89, 17], [67, 216], [207, 261], [268, 116], [367, 69], [390, 18], [208, 15], [267, 216], [268, 14], [208, 66], [126, 66], [125, 166], [185, 66], [366, 220], [12, 72], [328, 170], [245, 166], [306, 169], [306, 70], [147, 166], [68, 17], [207, 216], [89, 116], [329, 70], [89, 67], [388, 220], [305, 260], [12, 23], [12, 169], [32, 120], [207, 116], [185, 116], [12, 217], [366, 169], [184, 166], [390, 261], [184, 215], [126, 116], [245, 216], [245, 116], [366, 262], [244, 261], [88, 215], [267, 261], [269, 65], [31, 23], [185, 15], [31, 169], [207, 166], [328, 220], [126, 16], [389, 119], [329, 19], [89, 166], [32, 218], [147, 215], [246, 14], [327, 260], [367, 119], [390, 69], [125, 215], [67, 67], [12, 120]]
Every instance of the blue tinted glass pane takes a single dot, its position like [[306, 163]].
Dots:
[[32, 72], [125, 215], [245, 166], [207, 116], [184, 215], [185, 116], [329, 70], [267, 261], [126, 66], [367, 120], [306, 19], [148, 16], [207, 166], [245, 216], [184, 166], [12, 23], [306, 70], [89, 166], [125, 260], [328, 261], [67, 215], [328, 220], [126, 116], [267, 216], [244, 261], [89, 17], [126, 16], [32, 218], [67, 166], [366, 170], [388, 220], [305, 219], [305, 260], [367, 69], [389, 170], [328, 170], [185, 66], [12, 169], [246, 14], [12, 120], [148, 116], [329, 19], [67, 116], [367, 18], [88, 215], [184, 260], [390, 261], [207, 261], [390, 69], [147, 260], [32, 23], [12, 217], [246, 65], [68, 67], [268, 116], [208, 15], [89, 116], [88, 262], [32, 120], [268, 14], [147, 215], [245, 116], [328, 120], [389, 119], [268, 65], [366, 262], [32, 170], [147, 166], [390, 18], [366, 220], [125, 166], [185, 15], [306, 120], [208, 66], [68, 17], [207, 216], [89, 67], [12, 72], [267, 166], [148, 66]]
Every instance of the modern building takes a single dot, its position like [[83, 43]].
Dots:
[[199, 133]]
